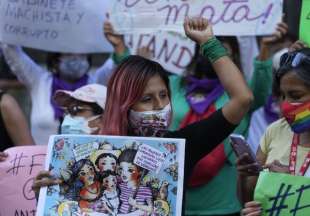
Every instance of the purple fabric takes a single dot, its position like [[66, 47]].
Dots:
[[208, 91], [271, 114], [58, 84]]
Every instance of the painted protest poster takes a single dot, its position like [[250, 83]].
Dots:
[[106, 175], [17, 174], [172, 50], [229, 17], [283, 194], [74, 26], [304, 33]]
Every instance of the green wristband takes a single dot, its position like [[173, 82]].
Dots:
[[119, 58], [213, 49]]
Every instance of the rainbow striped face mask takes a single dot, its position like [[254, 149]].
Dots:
[[297, 115]]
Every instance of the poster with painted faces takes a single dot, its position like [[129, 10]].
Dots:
[[109, 175]]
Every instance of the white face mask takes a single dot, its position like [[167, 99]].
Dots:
[[77, 125], [150, 123], [73, 67]]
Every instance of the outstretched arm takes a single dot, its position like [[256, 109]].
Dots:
[[200, 31], [120, 52]]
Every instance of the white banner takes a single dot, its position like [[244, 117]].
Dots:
[[229, 17], [173, 51], [55, 25]]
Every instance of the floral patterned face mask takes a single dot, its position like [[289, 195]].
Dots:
[[150, 123]]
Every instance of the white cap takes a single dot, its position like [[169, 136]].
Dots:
[[92, 93]]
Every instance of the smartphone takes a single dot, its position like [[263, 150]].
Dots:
[[240, 147]]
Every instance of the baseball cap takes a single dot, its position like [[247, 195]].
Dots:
[[92, 93]]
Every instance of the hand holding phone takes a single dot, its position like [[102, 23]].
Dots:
[[241, 147]]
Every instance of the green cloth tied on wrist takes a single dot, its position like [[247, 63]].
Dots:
[[118, 58], [213, 49]]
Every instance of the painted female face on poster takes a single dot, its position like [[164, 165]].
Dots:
[[129, 172], [106, 162], [87, 174]]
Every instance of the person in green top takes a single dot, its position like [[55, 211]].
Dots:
[[214, 191]]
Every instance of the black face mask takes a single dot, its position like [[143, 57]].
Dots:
[[203, 68]]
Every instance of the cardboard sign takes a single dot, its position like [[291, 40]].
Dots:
[[17, 174], [55, 25], [282, 194], [304, 32], [120, 175], [229, 17], [173, 51]]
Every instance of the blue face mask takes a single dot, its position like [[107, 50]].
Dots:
[[77, 125]]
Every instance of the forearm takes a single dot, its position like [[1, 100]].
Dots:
[[231, 79], [261, 82], [245, 188], [264, 53], [15, 122]]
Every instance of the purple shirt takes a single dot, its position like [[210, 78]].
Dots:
[[143, 195]]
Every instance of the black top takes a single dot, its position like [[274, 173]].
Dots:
[[201, 138], [6, 141]]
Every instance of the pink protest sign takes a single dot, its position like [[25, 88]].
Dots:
[[17, 173]]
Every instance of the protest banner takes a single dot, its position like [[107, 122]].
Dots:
[[304, 33], [74, 26], [110, 175], [173, 51], [17, 174], [229, 17], [283, 194]]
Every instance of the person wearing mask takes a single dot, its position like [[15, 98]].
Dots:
[[14, 130], [64, 71], [289, 135], [139, 89], [270, 112], [83, 109]]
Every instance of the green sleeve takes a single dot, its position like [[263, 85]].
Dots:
[[261, 82], [117, 59]]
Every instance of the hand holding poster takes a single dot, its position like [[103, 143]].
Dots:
[[283, 194], [229, 17], [114, 176], [17, 174]]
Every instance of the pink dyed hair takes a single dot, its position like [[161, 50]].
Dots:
[[125, 88]]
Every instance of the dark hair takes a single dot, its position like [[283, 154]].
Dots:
[[77, 166], [107, 174], [302, 71], [125, 88], [200, 65], [73, 185], [128, 155], [103, 155]]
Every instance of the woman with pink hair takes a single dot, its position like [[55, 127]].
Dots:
[[138, 99]]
